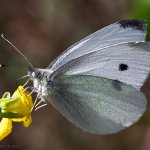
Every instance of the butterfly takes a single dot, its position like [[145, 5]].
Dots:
[[96, 82]]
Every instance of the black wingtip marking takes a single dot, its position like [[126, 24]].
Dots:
[[117, 85], [135, 24]]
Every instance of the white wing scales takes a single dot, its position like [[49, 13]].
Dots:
[[117, 33], [105, 63]]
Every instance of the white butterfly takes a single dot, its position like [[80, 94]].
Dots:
[[96, 82]]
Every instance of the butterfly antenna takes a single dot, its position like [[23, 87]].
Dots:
[[30, 65]]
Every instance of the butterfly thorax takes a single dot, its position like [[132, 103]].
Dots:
[[40, 81]]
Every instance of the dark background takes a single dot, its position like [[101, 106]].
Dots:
[[42, 29]]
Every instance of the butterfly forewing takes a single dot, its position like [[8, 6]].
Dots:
[[128, 63]]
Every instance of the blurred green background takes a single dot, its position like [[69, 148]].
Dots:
[[42, 29]]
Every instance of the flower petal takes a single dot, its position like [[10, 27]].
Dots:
[[5, 127], [27, 122], [17, 106]]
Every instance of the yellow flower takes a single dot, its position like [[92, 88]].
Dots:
[[15, 109]]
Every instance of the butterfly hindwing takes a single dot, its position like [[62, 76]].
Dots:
[[97, 105]]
